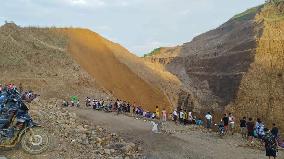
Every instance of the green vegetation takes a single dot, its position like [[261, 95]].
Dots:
[[248, 13], [154, 52], [274, 1]]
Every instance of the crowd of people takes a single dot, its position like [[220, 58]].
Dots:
[[249, 129]]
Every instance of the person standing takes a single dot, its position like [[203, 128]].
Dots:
[[243, 126], [175, 116], [72, 103], [274, 131], [20, 88], [184, 117], [164, 113], [88, 102], [250, 129], [208, 118], [190, 118], [259, 127], [226, 122], [78, 103], [157, 112], [119, 107], [181, 114], [270, 144], [231, 123], [133, 109], [65, 103]]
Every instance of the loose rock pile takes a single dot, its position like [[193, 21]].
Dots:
[[75, 138]]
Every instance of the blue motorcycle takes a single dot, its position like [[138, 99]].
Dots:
[[17, 126]]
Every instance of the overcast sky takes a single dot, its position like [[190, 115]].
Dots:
[[139, 25]]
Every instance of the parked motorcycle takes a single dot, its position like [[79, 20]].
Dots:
[[17, 126]]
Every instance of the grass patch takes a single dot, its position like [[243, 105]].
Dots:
[[154, 52], [248, 14]]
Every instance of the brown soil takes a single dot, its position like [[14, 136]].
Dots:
[[93, 54], [261, 92], [37, 59], [66, 62]]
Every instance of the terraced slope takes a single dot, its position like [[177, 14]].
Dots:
[[212, 64], [237, 66]]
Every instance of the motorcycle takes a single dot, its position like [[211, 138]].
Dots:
[[17, 127], [221, 129]]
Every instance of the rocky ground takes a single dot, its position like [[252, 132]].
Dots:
[[76, 134], [72, 137], [179, 142]]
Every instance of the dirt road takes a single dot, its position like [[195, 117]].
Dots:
[[193, 144]]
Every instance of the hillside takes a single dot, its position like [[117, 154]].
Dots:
[[212, 63], [37, 59], [96, 56], [261, 92], [65, 62], [239, 64]]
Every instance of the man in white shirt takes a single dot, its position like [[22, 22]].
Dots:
[[208, 118], [231, 123], [175, 115], [190, 117]]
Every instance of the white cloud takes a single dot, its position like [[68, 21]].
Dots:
[[78, 2], [100, 3], [86, 3]]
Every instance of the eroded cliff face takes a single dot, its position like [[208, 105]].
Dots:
[[261, 93], [238, 66], [211, 66]]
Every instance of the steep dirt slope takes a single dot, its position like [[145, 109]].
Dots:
[[238, 64], [261, 92], [65, 62], [212, 64], [153, 73], [98, 57], [37, 58]]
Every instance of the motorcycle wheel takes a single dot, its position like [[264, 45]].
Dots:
[[35, 142]]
